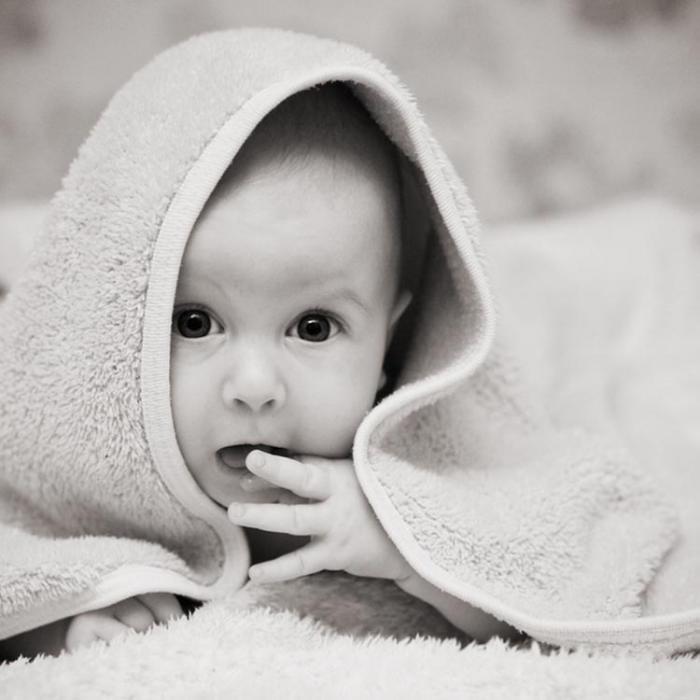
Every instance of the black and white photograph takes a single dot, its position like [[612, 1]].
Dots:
[[350, 350]]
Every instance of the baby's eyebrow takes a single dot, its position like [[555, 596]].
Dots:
[[347, 295]]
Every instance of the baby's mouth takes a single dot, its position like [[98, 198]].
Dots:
[[234, 456]]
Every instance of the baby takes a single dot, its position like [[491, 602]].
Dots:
[[290, 291], [286, 303]]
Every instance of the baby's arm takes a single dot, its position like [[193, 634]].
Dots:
[[475, 622], [345, 535]]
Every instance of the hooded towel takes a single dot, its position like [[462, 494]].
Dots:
[[557, 532]]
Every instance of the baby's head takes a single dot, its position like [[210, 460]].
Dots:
[[288, 293]]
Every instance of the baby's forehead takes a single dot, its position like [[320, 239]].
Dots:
[[340, 178], [319, 157], [310, 202], [302, 225]]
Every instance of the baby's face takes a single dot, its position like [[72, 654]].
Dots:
[[283, 312]]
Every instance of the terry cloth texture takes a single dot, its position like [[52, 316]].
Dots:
[[553, 528], [390, 644]]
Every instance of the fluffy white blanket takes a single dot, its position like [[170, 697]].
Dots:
[[224, 649], [339, 642]]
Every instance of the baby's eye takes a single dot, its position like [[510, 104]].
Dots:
[[315, 327], [194, 323]]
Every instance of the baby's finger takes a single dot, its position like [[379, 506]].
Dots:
[[303, 478], [133, 613], [109, 628], [301, 562], [87, 628], [297, 519], [163, 606]]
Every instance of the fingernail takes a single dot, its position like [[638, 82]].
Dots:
[[256, 459], [236, 510], [253, 572]]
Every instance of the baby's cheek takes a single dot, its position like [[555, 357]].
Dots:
[[339, 410], [188, 405], [181, 386]]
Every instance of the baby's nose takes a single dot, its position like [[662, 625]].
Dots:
[[254, 384]]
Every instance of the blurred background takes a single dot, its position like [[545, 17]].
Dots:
[[543, 105]]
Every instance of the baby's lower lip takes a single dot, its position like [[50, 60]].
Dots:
[[234, 456]]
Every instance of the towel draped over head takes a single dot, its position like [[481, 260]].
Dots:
[[557, 532]]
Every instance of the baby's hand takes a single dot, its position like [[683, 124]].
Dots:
[[345, 533], [138, 613]]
